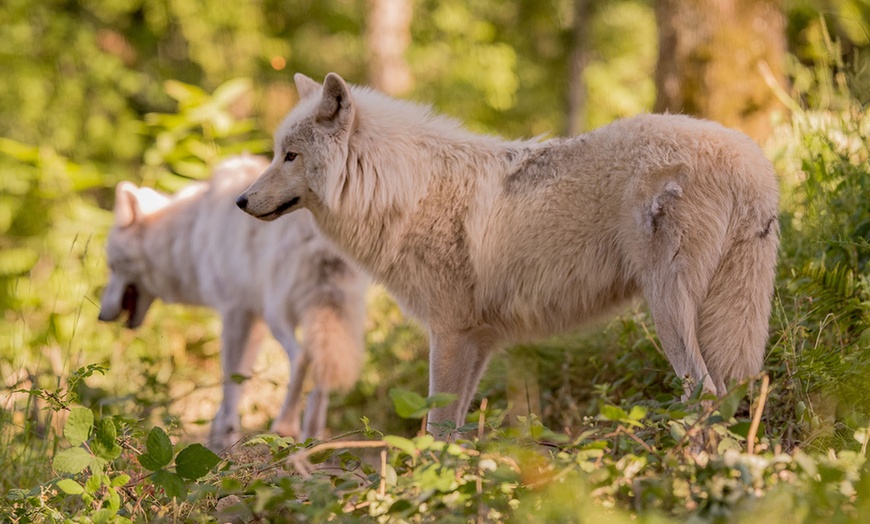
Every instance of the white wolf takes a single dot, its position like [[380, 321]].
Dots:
[[197, 248], [491, 242]]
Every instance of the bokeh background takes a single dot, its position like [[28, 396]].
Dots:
[[157, 91]]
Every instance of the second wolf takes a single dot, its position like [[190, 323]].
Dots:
[[196, 247]]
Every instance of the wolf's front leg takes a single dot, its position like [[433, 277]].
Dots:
[[456, 363], [240, 341]]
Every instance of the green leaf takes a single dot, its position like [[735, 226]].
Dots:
[[637, 412], [70, 487], [439, 400], [730, 402], [741, 428], [120, 480], [104, 444], [195, 461], [321, 456], [159, 450], [408, 404], [72, 460], [171, 483], [613, 413], [93, 483], [78, 426], [401, 443]]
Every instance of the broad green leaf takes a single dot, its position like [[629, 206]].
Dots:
[[741, 428], [195, 461], [613, 413], [730, 402], [158, 450], [72, 460], [423, 442], [104, 516], [78, 426], [70, 487], [120, 480], [104, 444], [439, 400], [637, 412], [401, 443], [408, 404], [113, 498], [93, 483], [171, 483]]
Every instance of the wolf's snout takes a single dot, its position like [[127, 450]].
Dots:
[[242, 201]]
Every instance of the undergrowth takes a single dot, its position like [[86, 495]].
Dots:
[[94, 422]]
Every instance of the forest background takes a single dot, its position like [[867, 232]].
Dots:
[[158, 91]]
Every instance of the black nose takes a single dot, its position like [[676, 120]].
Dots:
[[242, 201]]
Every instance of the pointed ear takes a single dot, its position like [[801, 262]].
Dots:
[[305, 86], [336, 106], [127, 208]]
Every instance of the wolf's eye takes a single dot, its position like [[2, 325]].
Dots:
[[289, 157]]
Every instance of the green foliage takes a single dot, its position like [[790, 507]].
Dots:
[[156, 92], [411, 405]]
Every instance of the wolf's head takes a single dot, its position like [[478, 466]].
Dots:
[[127, 290], [311, 149]]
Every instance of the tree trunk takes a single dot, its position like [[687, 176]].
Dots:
[[714, 56], [578, 61], [388, 35]]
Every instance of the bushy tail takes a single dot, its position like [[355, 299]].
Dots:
[[333, 340], [734, 316]]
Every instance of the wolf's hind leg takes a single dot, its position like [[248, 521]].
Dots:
[[287, 421], [315, 412], [241, 337]]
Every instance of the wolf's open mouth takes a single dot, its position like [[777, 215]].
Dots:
[[282, 208], [128, 303]]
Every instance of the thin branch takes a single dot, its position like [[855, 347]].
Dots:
[[756, 418]]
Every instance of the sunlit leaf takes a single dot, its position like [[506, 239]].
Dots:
[[78, 425], [70, 487], [72, 460]]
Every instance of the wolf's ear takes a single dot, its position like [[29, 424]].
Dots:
[[336, 106], [127, 208], [305, 86]]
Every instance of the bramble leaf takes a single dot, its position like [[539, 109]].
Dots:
[[195, 461], [78, 426]]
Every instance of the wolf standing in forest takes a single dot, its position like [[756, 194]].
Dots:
[[197, 248], [492, 242]]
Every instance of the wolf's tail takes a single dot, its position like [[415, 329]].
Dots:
[[733, 318], [334, 345]]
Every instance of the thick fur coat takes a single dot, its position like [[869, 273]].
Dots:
[[197, 248], [492, 242]]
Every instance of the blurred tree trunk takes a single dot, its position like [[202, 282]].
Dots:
[[579, 59], [388, 35], [714, 56]]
